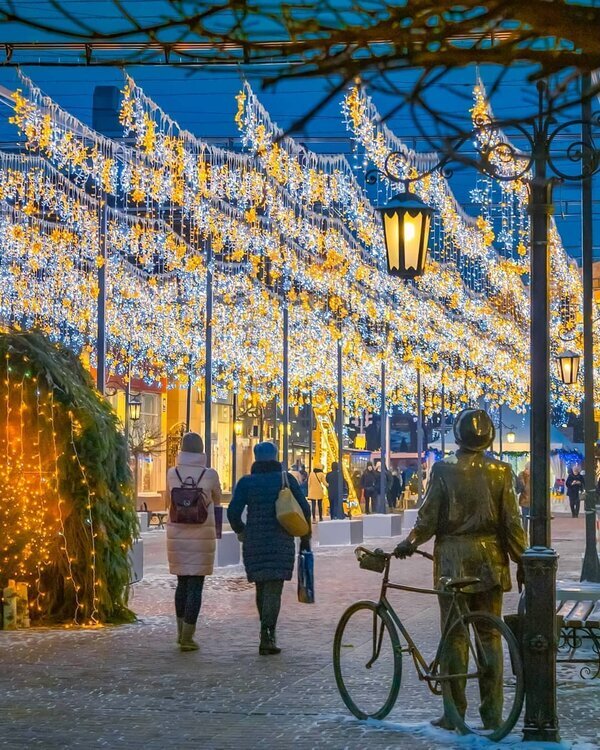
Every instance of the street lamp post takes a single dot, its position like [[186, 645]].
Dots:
[[382, 433], [540, 560], [339, 425], [510, 435], [590, 570], [133, 409], [419, 439], [188, 404], [101, 303], [406, 223], [285, 385], [208, 328]]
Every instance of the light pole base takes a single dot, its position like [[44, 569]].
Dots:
[[539, 645]]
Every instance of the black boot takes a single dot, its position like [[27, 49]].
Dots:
[[268, 644]]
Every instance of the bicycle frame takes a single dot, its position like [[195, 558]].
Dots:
[[426, 672]]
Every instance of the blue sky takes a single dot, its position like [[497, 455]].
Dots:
[[203, 100]]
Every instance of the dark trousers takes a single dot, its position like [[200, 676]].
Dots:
[[335, 508], [314, 504], [490, 681], [370, 496], [188, 597], [268, 602], [575, 502]]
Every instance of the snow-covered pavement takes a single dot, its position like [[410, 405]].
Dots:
[[129, 687]]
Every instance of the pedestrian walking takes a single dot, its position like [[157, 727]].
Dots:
[[336, 507], [471, 509], [574, 488], [268, 549], [380, 501], [523, 493], [316, 490], [304, 478], [395, 490], [191, 546], [369, 484]]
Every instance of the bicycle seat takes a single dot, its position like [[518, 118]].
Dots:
[[459, 583]]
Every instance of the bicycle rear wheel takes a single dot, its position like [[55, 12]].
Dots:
[[367, 660], [481, 675]]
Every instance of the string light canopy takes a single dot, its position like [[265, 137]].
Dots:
[[406, 226], [469, 311], [568, 366]]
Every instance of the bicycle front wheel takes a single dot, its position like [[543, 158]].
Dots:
[[481, 676], [367, 660]]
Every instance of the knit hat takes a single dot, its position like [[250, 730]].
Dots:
[[473, 429], [265, 451], [192, 443]]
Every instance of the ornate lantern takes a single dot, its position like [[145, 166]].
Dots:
[[568, 366], [406, 223], [135, 408]]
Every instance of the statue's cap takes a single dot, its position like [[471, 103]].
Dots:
[[474, 430]]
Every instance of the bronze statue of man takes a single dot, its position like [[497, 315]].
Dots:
[[471, 509]]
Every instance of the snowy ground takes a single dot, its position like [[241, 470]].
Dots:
[[130, 687]]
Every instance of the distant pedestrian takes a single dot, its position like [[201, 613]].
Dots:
[[387, 483], [268, 550], [524, 495], [304, 482], [369, 487], [395, 490], [574, 488], [316, 487], [336, 508], [369, 484], [191, 546]]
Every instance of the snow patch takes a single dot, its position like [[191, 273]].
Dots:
[[444, 738]]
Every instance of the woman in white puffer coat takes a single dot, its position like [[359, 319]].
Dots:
[[191, 547]]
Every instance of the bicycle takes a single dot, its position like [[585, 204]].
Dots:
[[367, 655]]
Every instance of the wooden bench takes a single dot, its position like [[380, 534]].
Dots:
[[578, 619]]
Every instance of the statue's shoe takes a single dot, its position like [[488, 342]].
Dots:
[[443, 723]]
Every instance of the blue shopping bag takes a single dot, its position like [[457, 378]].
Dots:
[[306, 577]]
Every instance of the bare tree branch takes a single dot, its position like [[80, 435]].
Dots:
[[373, 41]]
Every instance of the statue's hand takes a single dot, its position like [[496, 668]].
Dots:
[[404, 549]]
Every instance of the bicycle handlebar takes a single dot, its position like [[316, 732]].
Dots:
[[424, 554], [389, 555]]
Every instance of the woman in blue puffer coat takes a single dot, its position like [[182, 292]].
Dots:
[[269, 551]]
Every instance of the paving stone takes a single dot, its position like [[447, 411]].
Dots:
[[130, 687]]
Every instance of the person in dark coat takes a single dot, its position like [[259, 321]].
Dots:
[[268, 550], [574, 487], [336, 510], [395, 490], [369, 484]]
